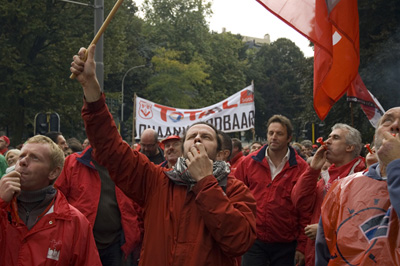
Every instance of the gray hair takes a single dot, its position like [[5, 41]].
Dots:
[[352, 138]]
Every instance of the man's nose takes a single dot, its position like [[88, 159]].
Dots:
[[22, 161], [197, 139], [395, 127]]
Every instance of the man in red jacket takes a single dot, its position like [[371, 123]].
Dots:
[[271, 174], [37, 225], [226, 147], [237, 154], [115, 218], [172, 150], [342, 150], [195, 214], [4, 143]]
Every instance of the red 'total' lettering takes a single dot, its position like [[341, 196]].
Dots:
[[163, 111], [206, 113], [192, 114], [226, 106]]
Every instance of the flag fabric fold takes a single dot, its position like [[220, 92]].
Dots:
[[358, 93], [332, 25]]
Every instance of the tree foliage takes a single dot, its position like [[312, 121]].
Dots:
[[35, 61], [275, 71], [174, 83]]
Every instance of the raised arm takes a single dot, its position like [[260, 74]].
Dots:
[[85, 73], [304, 191], [131, 171]]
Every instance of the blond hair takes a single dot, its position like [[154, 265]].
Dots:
[[9, 152], [56, 154]]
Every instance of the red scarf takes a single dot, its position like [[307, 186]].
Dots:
[[336, 173]]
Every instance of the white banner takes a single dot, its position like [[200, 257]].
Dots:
[[233, 114]]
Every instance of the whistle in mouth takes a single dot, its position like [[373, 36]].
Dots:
[[368, 146], [321, 141]]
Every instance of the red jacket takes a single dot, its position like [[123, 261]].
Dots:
[[278, 221], [80, 182], [235, 161], [203, 226], [308, 194], [62, 237]]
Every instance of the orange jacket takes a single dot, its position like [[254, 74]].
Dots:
[[62, 237], [360, 223], [203, 226]]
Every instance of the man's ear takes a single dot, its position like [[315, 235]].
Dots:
[[227, 154], [54, 174], [222, 154], [350, 148], [289, 139]]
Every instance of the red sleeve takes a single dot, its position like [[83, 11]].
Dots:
[[232, 220], [240, 172], [304, 191], [131, 171]]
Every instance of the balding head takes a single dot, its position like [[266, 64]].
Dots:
[[149, 142]]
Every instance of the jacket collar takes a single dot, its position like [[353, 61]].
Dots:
[[85, 157], [374, 172], [237, 157], [261, 155], [164, 164]]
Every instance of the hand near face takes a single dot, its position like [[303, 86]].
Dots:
[[390, 148], [319, 158], [10, 185], [198, 163]]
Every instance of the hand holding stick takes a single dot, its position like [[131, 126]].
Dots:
[[102, 28]]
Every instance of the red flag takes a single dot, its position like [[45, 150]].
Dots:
[[358, 93], [332, 25]]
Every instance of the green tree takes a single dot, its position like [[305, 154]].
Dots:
[[35, 57], [37, 42], [178, 25], [275, 70], [174, 83], [227, 66]]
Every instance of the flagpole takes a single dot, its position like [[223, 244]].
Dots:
[[101, 30], [134, 118]]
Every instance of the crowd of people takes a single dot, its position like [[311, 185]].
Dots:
[[202, 198]]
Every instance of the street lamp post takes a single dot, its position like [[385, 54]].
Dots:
[[122, 90], [98, 21]]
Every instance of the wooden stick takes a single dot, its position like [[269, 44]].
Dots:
[[102, 29]]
